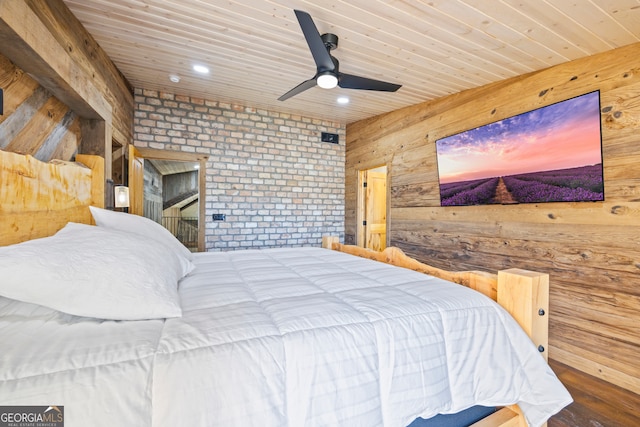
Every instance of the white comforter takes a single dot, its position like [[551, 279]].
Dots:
[[281, 337]]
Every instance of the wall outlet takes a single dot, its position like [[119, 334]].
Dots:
[[219, 217]]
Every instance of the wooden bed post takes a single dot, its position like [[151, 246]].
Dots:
[[525, 295], [96, 164], [328, 241]]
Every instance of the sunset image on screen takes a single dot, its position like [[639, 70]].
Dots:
[[546, 155]]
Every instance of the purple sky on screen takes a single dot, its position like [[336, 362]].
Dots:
[[558, 136]]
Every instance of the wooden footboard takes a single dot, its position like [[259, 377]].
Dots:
[[524, 294]]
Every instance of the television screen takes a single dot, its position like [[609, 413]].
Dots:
[[551, 154]]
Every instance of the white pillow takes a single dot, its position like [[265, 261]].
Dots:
[[95, 272], [139, 225]]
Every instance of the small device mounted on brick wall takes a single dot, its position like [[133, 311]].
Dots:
[[329, 137]]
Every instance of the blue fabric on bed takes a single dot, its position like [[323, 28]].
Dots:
[[461, 419]]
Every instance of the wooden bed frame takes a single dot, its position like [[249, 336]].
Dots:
[[37, 199]]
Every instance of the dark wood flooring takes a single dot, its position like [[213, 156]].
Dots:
[[596, 403]]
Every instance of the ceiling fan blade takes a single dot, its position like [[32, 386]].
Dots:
[[316, 45], [348, 81], [307, 84]]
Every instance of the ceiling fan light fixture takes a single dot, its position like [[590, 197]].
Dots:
[[327, 80]]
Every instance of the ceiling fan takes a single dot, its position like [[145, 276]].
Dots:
[[328, 75]]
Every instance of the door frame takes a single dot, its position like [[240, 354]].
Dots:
[[151, 153], [361, 205]]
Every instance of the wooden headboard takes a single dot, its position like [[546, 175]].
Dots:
[[37, 199]]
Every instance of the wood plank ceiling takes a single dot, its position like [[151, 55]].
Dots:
[[256, 51]]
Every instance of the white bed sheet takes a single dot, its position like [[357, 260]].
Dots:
[[101, 371], [280, 337]]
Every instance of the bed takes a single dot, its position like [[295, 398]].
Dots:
[[118, 326]]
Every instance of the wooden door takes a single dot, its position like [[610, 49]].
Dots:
[[375, 210], [136, 181]]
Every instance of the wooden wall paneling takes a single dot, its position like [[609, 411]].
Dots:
[[17, 86], [592, 362], [591, 213], [415, 174], [22, 115], [30, 45], [33, 135], [35, 122], [477, 107], [60, 132], [87, 54], [69, 143], [96, 139], [590, 250], [570, 344], [615, 326], [46, 53]]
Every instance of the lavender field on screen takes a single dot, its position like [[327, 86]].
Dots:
[[478, 192], [563, 185]]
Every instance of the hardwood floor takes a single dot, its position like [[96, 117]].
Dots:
[[596, 403]]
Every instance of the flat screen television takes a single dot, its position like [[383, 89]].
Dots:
[[551, 154]]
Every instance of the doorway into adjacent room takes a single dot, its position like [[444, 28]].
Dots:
[[167, 188], [372, 208]]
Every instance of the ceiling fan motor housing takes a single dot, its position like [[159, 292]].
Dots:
[[330, 40]]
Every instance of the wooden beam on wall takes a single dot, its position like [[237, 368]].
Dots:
[[85, 52], [26, 41], [29, 45]]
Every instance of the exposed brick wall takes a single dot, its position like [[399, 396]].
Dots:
[[268, 172]]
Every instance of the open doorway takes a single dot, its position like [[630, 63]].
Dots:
[[372, 208], [166, 187], [171, 197]]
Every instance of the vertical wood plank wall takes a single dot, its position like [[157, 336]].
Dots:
[[591, 250]]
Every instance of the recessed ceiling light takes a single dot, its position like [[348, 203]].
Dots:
[[174, 78], [200, 69], [343, 100]]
